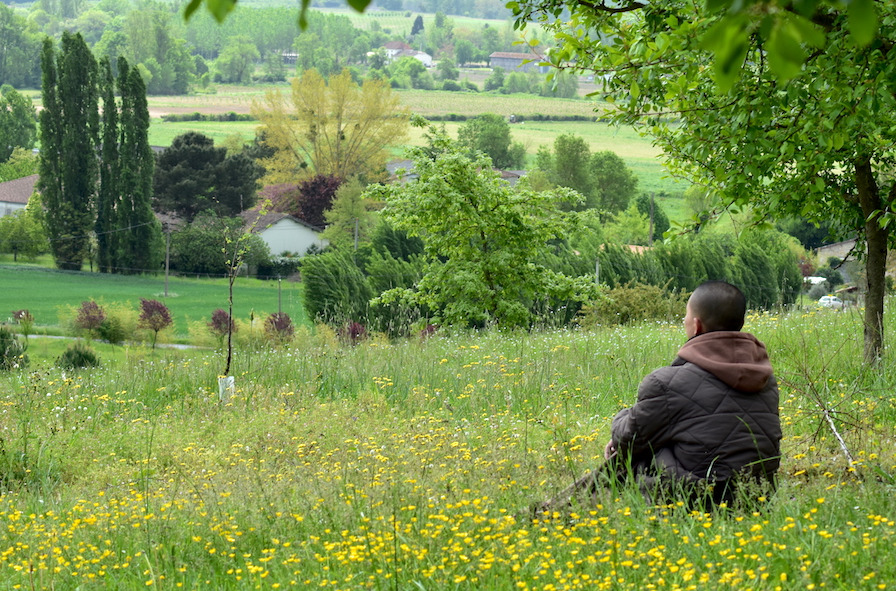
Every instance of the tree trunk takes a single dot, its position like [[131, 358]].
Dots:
[[876, 239]]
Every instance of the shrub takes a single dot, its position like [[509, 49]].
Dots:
[[221, 324], [154, 316], [634, 303], [77, 356], [12, 352], [113, 330], [278, 328], [352, 333], [90, 317], [335, 288]]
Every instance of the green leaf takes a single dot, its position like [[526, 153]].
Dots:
[[220, 8], [785, 53], [810, 33], [728, 40], [838, 140], [862, 20], [635, 90], [717, 5], [359, 5], [303, 11], [191, 8]]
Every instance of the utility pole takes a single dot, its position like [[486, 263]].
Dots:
[[650, 235]]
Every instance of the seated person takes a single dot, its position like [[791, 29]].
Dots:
[[701, 426], [708, 421]]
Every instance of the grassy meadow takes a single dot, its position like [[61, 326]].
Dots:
[[410, 465], [53, 296]]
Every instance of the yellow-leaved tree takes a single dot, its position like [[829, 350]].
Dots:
[[330, 127]]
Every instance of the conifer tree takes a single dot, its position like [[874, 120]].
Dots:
[[68, 167]]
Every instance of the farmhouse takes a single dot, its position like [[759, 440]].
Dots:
[[398, 49], [284, 233], [14, 194], [516, 61]]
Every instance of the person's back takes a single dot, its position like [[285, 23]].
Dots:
[[710, 418]]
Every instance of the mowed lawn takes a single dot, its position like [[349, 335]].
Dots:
[[47, 293]]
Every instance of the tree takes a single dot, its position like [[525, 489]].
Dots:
[[237, 60], [128, 237], [409, 72], [18, 122], [108, 237], [19, 50], [192, 175], [417, 27], [568, 165], [463, 51], [90, 317], [337, 128], [69, 124], [495, 81], [155, 317], [808, 129], [21, 163], [315, 196], [648, 207], [481, 239], [350, 219], [202, 246], [140, 250], [614, 182], [21, 233], [490, 133]]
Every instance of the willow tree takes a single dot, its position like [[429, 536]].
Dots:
[[798, 116], [330, 127]]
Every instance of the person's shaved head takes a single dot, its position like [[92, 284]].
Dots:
[[719, 306]]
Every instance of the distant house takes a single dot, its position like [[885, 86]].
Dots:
[[397, 49], [510, 61], [14, 194], [284, 233], [393, 48]]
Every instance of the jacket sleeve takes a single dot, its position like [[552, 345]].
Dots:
[[646, 426]]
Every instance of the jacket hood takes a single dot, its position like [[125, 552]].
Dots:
[[737, 358]]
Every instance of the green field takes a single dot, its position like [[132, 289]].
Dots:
[[47, 292], [637, 151], [411, 464]]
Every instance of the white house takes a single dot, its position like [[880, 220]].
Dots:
[[14, 194], [398, 49], [284, 233]]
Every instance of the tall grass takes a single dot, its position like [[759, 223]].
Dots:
[[410, 464]]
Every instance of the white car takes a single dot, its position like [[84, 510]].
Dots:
[[829, 301]]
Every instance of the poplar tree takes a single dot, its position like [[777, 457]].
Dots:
[[141, 237], [107, 200], [69, 124]]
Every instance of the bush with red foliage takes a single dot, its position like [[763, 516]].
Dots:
[[90, 317], [221, 323], [154, 316], [278, 327]]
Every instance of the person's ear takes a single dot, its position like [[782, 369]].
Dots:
[[699, 327]]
